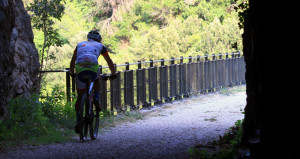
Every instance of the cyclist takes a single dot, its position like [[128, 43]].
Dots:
[[85, 62]]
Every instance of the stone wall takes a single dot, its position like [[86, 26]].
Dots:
[[19, 62]]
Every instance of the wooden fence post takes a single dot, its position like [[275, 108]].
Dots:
[[68, 85]]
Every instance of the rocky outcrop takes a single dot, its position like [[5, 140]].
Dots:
[[19, 62]]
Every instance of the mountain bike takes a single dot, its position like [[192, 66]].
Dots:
[[89, 112]]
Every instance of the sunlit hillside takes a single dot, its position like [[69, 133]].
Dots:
[[136, 30]]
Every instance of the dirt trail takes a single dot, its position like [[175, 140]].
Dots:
[[165, 132]]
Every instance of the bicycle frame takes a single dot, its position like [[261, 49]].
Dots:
[[89, 121], [88, 117], [89, 85]]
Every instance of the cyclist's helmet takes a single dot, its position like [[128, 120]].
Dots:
[[94, 34]]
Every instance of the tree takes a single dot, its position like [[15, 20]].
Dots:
[[43, 14]]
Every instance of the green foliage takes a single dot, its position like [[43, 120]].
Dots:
[[108, 120], [220, 38], [156, 12], [156, 44], [203, 154], [25, 118], [44, 10], [150, 28], [230, 142], [157, 29], [73, 20], [226, 147], [43, 13], [242, 9], [230, 91], [31, 117], [56, 110]]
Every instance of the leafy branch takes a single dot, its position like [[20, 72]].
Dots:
[[242, 9], [43, 14]]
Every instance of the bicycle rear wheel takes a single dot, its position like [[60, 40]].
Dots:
[[82, 118], [94, 122]]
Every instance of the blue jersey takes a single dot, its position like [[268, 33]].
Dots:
[[89, 51]]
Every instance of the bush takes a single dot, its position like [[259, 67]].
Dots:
[[57, 110], [30, 117], [25, 118]]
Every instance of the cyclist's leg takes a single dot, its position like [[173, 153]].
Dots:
[[78, 102], [97, 90], [80, 88], [97, 82], [77, 108]]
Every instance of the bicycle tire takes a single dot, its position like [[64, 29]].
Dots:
[[91, 119], [91, 123], [81, 118], [86, 116], [94, 122]]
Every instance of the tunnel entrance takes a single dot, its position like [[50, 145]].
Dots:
[[269, 114]]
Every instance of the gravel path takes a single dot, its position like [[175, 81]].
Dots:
[[165, 132]]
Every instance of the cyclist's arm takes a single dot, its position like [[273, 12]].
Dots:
[[110, 63], [72, 64]]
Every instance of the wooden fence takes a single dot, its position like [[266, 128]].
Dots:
[[160, 81]]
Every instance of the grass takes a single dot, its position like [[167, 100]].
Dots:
[[53, 137], [232, 90], [224, 148], [58, 136], [67, 134], [113, 121]]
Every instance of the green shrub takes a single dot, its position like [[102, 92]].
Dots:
[[31, 117], [57, 110], [25, 118]]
